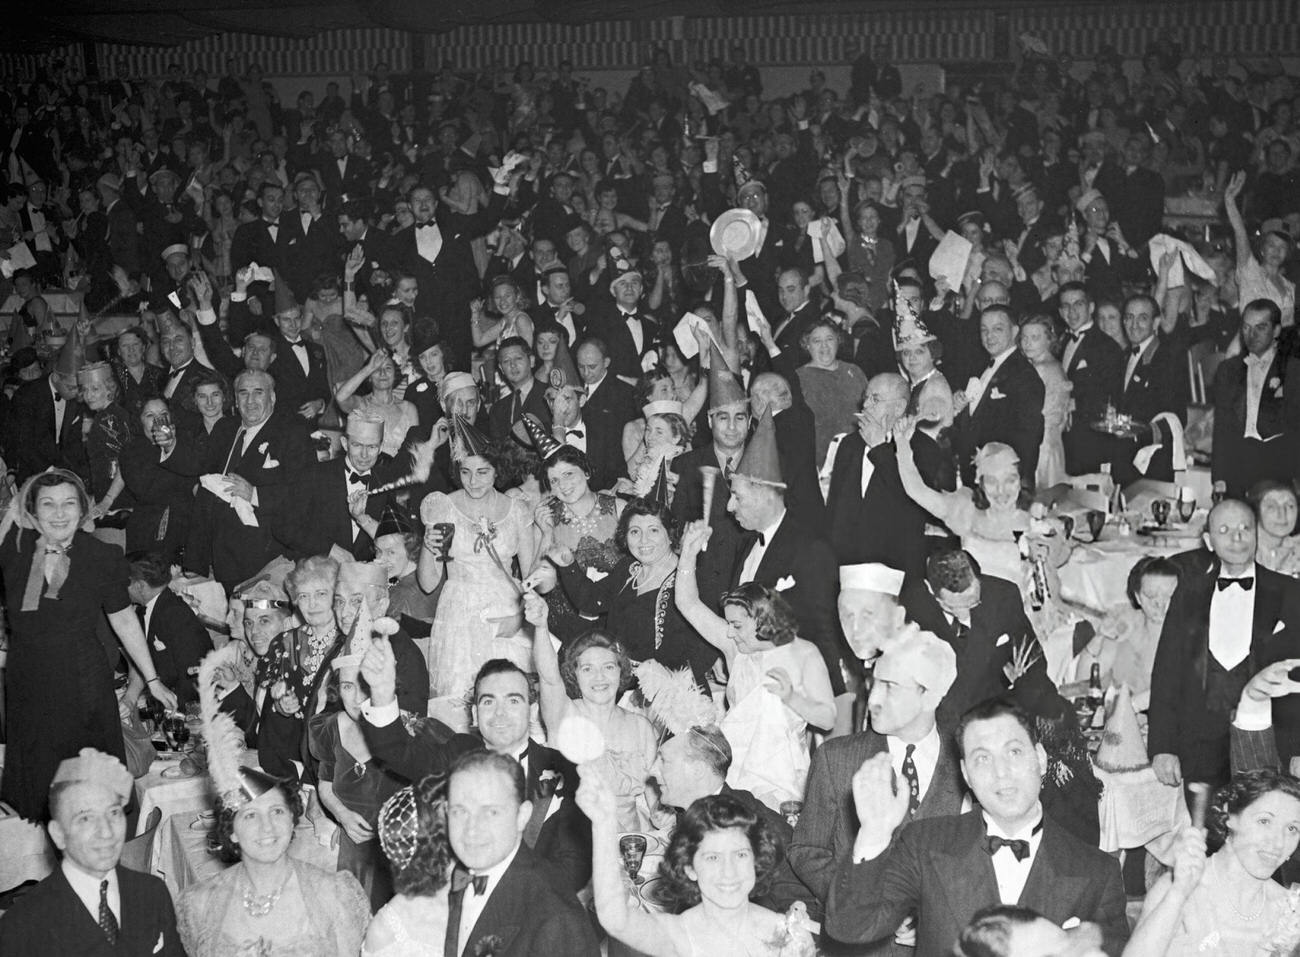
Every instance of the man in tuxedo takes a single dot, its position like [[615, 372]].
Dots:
[[177, 639], [176, 344], [91, 905], [358, 233], [1136, 193], [267, 239], [667, 221], [123, 234], [914, 241], [165, 219], [983, 618], [1094, 363], [759, 269], [316, 251], [501, 889], [1155, 382], [43, 424], [1038, 226], [627, 330], [605, 393], [781, 554], [333, 504], [558, 832], [945, 869], [558, 306], [1224, 623], [694, 765], [910, 678], [525, 393], [436, 250], [1257, 406], [1005, 404], [551, 215], [344, 176], [728, 431], [863, 490], [592, 430], [299, 364], [259, 447], [797, 313]]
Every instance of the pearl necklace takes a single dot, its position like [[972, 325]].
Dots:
[[261, 905]]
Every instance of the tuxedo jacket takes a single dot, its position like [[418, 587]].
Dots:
[[613, 397], [530, 914], [351, 182], [32, 444], [51, 921], [998, 626], [316, 251], [431, 747], [939, 870], [219, 541], [609, 325], [375, 247], [505, 411], [1158, 384], [604, 437], [1096, 374], [1180, 722], [543, 314], [253, 243], [828, 824], [1137, 200], [311, 515], [804, 563], [1011, 411], [160, 518], [797, 452], [293, 387], [922, 247], [177, 641], [1278, 420], [788, 330], [1106, 273], [884, 525]]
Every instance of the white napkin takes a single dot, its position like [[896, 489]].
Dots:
[[1142, 460], [684, 335], [216, 484], [1161, 243], [949, 259], [753, 312], [834, 238]]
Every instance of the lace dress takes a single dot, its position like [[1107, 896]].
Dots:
[[479, 614], [1056, 402], [591, 539], [1210, 925], [769, 740], [417, 925]]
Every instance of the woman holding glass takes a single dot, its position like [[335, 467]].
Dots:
[[106, 432], [59, 581], [160, 517]]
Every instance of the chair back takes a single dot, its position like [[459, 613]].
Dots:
[[1202, 363], [137, 853]]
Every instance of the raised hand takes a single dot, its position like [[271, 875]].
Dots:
[[379, 668], [356, 259], [695, 537], [881, 808], [1235, 185], [536, 611], [596, 799], [1274, 681], [1189, 860]]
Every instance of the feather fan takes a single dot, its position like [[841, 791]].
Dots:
[[224, 740], [674, 701]]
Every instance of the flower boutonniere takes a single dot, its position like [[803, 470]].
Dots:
[[263, 447], [1275, 386], [549, 782], [488, 946]]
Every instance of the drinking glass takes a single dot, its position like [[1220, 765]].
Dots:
[[633, 847], [1096, 522], [1186, 509], [1160, 511], [448, 532]]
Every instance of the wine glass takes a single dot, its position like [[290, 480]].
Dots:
[[632, 847], [448, 532], [180, 733], [1186, 509], [1160, 511], [1096, 522]]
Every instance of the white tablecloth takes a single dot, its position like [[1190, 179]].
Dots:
[[26, 854], [1096, 576]]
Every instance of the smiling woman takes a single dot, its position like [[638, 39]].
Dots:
[[58, 582]]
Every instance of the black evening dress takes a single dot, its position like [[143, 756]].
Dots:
[[59, 681]]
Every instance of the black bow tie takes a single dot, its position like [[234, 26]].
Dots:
[[1136, 350], [1018, 846], [461, 879], [429, 225], [1076, 336], [578, 432], [1246, 583], [295, 342], [762, 539], [357, 478]]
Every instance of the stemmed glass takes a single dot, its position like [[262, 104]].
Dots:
[[632, 847]]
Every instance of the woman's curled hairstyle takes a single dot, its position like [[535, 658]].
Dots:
[[718, 812], [1243, 791], [774, 621], [429, 866]]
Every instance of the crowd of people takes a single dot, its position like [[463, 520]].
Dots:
[[582, 464]]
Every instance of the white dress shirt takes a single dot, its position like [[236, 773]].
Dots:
[[634, 326], [60, 410], [571, 436], [1232, 620], [828, 467], [1256, 372], [428, 241], [174, 379], [755, 557], [299, 349], [149, 606], [1011, 873], [472, 904], [86, 887], [925, 757], [1135, 358], [1072, 345]]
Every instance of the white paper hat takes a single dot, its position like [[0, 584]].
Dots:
[[872, 576]]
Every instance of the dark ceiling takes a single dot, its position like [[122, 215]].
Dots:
[[173, 22]]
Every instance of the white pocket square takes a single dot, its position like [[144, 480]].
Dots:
[[786, 583], [595, 574], [1280, 626], [996, 394], [1070, 924], [271, 463], [158, 946], [263, 447], [1003, 639], [1083, 364]]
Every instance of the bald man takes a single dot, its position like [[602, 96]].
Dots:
[[1225, 622], [869, 516]]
